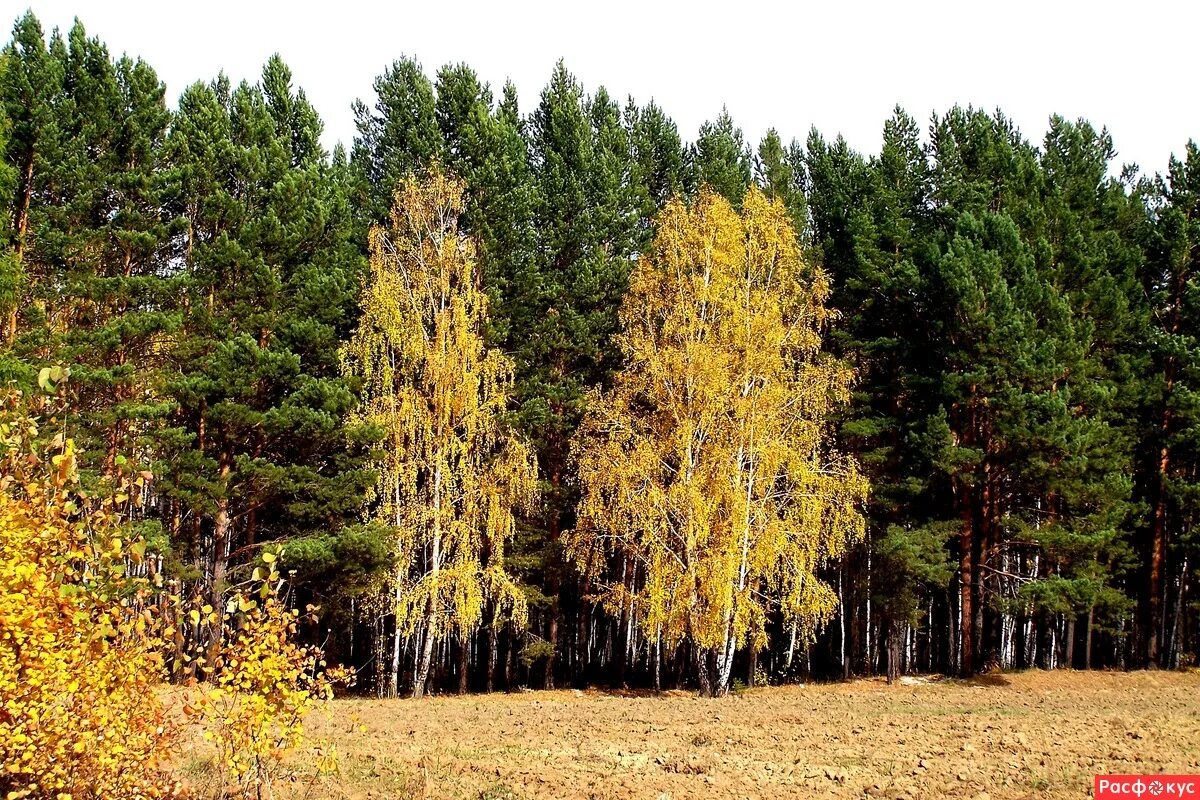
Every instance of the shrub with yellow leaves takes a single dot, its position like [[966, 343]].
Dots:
[[263, 686], [79, 647], [83, 629]]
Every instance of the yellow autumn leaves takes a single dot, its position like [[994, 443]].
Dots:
[[708, 462], [79, 667], [265, 683], [82, 639], [452, 473]]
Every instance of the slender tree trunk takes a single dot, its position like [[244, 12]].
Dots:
[[988, 622], [966, 546], [1121, 661], [953, 664], [625, 623], [510, 664], [1158, 557], [791, 651], [492, 654], [658, 660], [20, 226], [426, 659], [1069, 659], [553, 639], [704, 672], [1171, 656], [464, 663], [393, 688], [843, 656], [222, 524], [1087, 651], [724, 659], [381, 680], [929, 654], [582, 659], [221, 527], [870, 654], [630, 651], [893, 651], [1031, 634]]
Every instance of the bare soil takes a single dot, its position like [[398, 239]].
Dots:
[[1027, 735]]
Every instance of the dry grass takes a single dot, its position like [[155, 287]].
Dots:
[[1032, 734]]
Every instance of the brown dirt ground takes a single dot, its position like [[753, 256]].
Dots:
[[1026, 735]]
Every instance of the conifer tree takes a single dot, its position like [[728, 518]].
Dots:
[[658, 160], [1168, 437], [871, 224], [32, 88], [396, 135], [256, 450], [779, 172], [586, 225], [88, 283], [720, 158]]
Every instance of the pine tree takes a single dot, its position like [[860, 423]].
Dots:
[[779, 172], [585, 219], [33, 78], [1168, 441], [119, 237], [484, 148], [659, 161], [1083, 454], [257, 451], [94, 293], [872, 225], [1028, 455], [397, 135], [720, 159]]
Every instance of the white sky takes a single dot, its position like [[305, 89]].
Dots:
[[841, 66]]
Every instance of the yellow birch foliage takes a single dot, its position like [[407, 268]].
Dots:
[[708, 462], [265, 683], [79, 665], [452, 472]]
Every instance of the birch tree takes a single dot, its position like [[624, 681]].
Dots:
[[451, 473], [708, 462]]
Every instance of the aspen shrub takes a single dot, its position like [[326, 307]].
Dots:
[[82, 637], [264, 684], [79, 647]]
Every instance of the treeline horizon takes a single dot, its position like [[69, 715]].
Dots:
[[1022, 326]]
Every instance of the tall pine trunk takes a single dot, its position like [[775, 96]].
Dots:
[[966, 546], [1153, 624]]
